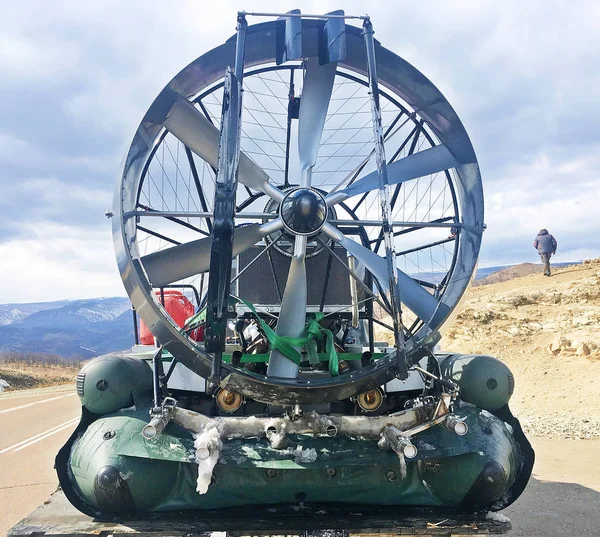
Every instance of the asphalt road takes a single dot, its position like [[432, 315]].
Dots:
[[34, 424], [562, 499]]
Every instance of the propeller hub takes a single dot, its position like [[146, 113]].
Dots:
[[303, 211]]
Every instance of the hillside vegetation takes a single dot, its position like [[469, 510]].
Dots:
[[547, 330], [21, 371]]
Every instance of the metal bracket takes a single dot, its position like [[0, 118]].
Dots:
[[332, 39], [160, 418], [288, 38], [158, 374], [384, 199], [224, 209]]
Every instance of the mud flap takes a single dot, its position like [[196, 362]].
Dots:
[[61, 465], [528, 454]]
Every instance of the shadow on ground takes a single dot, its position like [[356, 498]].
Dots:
[[553, 509]]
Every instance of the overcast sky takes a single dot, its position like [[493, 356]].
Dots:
[[76, 78]]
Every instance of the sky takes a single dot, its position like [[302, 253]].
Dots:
[[77, 77]]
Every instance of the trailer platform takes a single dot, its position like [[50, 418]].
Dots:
[[57, 517]]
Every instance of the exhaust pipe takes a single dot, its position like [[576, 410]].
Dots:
[[160, 418], [456, 425], [155, 427], [399, 443]]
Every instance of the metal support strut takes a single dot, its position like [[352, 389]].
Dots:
[[384, 200], [221, 252]]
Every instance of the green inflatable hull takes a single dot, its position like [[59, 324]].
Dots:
[[114, 470], [107, 468]]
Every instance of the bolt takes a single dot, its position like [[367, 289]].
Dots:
[[270, 472], [331, 430], [390, 476], [109, 434], [331, 472], [492, 383], [102, 385]]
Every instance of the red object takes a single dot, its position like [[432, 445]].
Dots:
[[179, 308]]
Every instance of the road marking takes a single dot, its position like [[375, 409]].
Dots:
[[35, 392], [65, 426], [34, 403], [36, 438]]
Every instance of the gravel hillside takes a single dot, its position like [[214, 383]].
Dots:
[[547, 330]]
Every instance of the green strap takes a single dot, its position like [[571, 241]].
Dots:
[[196, 318], [315, 332]]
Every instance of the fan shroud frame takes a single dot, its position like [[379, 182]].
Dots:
[[205, 75]]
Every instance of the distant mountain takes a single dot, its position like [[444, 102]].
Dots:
[[503, 274], [508, 272], [78, 328], [483, 272], [32, 307], [11, 315]]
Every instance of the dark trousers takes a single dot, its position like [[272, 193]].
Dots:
[[546, 261]]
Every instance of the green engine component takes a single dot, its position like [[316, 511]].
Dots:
[[483, 380], [109, 383]]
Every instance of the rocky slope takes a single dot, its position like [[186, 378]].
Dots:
[[547, 330]]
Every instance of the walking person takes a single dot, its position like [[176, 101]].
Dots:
[[545, 244]]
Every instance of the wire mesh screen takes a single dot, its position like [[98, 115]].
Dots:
[[264, 281]]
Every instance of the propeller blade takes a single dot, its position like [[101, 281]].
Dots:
[[292, 316], [433, 160], [185, 260], [316, 94], [192, 128], [412, 295]]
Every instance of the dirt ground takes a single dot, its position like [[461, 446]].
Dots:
[[562, 498], [21, 376], [547, 330]]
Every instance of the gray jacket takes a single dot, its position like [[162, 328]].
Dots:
[[545, 243]]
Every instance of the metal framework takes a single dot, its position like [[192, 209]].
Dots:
[[167, 231]]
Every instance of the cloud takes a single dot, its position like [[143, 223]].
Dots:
[[24, 60], [77, 78], [50, 200], [560, 196], [52, 262]]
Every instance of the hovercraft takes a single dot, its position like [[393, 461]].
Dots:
[[299, 213]]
